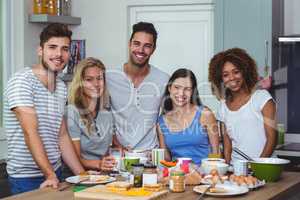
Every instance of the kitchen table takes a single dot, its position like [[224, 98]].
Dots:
[[287, 187]]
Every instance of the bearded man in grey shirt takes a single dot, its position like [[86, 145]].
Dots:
[[136, 90]]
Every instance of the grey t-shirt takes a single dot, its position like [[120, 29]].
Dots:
[[95, 144], [136, 109]]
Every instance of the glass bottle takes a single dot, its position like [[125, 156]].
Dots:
[[58, 7], [66, 6], [137, 170], [45, 6], [37, 7], [52, 9], [281, 132]]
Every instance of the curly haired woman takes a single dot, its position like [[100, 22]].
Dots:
[[247, 112]]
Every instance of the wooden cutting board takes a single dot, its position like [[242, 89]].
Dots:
[[101, 193]]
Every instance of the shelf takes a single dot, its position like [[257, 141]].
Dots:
[[44, 18]]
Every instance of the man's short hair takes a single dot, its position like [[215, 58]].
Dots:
[[146, 27], [54, 30]]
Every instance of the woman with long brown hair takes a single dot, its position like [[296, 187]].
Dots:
[[186, 128]]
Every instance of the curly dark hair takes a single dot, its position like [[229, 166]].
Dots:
[[180, 73], [241, 60]]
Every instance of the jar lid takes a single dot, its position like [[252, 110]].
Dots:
[[137, 165], [177, 173], [149, 166]]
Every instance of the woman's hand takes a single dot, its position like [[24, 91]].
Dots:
[[107, 163]]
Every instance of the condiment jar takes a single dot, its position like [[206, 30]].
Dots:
[[177, 181], [137, 170], [40, 6], [150, 174], [52, 7]]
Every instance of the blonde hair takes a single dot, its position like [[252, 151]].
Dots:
[[76, 92]]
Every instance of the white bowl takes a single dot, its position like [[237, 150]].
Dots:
[[221, 167], [212, 159]]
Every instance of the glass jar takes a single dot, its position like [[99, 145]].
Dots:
[[137, 171], [40, 6], [52, 9], [281, 132], [177, 181], [66, 6], [150, 174]]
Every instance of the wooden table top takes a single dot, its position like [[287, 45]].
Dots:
[[288, 185]]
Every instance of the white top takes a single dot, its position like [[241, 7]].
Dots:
[[25, 89], [245, 126], [136, 109]]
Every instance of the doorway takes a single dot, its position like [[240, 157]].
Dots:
[[185, 39]]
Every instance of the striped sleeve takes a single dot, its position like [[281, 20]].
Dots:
[[19, 93]]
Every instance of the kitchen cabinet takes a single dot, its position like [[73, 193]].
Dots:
[[245, 24]]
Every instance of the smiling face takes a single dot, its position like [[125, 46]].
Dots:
[[55, 53], [232, 77], [93, 82], [141, 47], [181, 91]]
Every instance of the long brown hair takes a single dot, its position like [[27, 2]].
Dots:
[[167, 104], [77, 96]]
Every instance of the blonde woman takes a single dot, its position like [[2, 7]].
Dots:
[[90, 122]]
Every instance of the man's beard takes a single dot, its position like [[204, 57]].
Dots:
[[139, 65], [47, 68]]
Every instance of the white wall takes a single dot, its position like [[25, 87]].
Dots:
[[104, 26]]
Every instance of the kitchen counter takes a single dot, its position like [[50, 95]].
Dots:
[[288, 186], [289, 149]]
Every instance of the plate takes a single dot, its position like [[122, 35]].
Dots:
[[208, 181], [231, 190], [257, 185], [93, 179]]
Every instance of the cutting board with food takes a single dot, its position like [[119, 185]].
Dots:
[[122, 191]]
